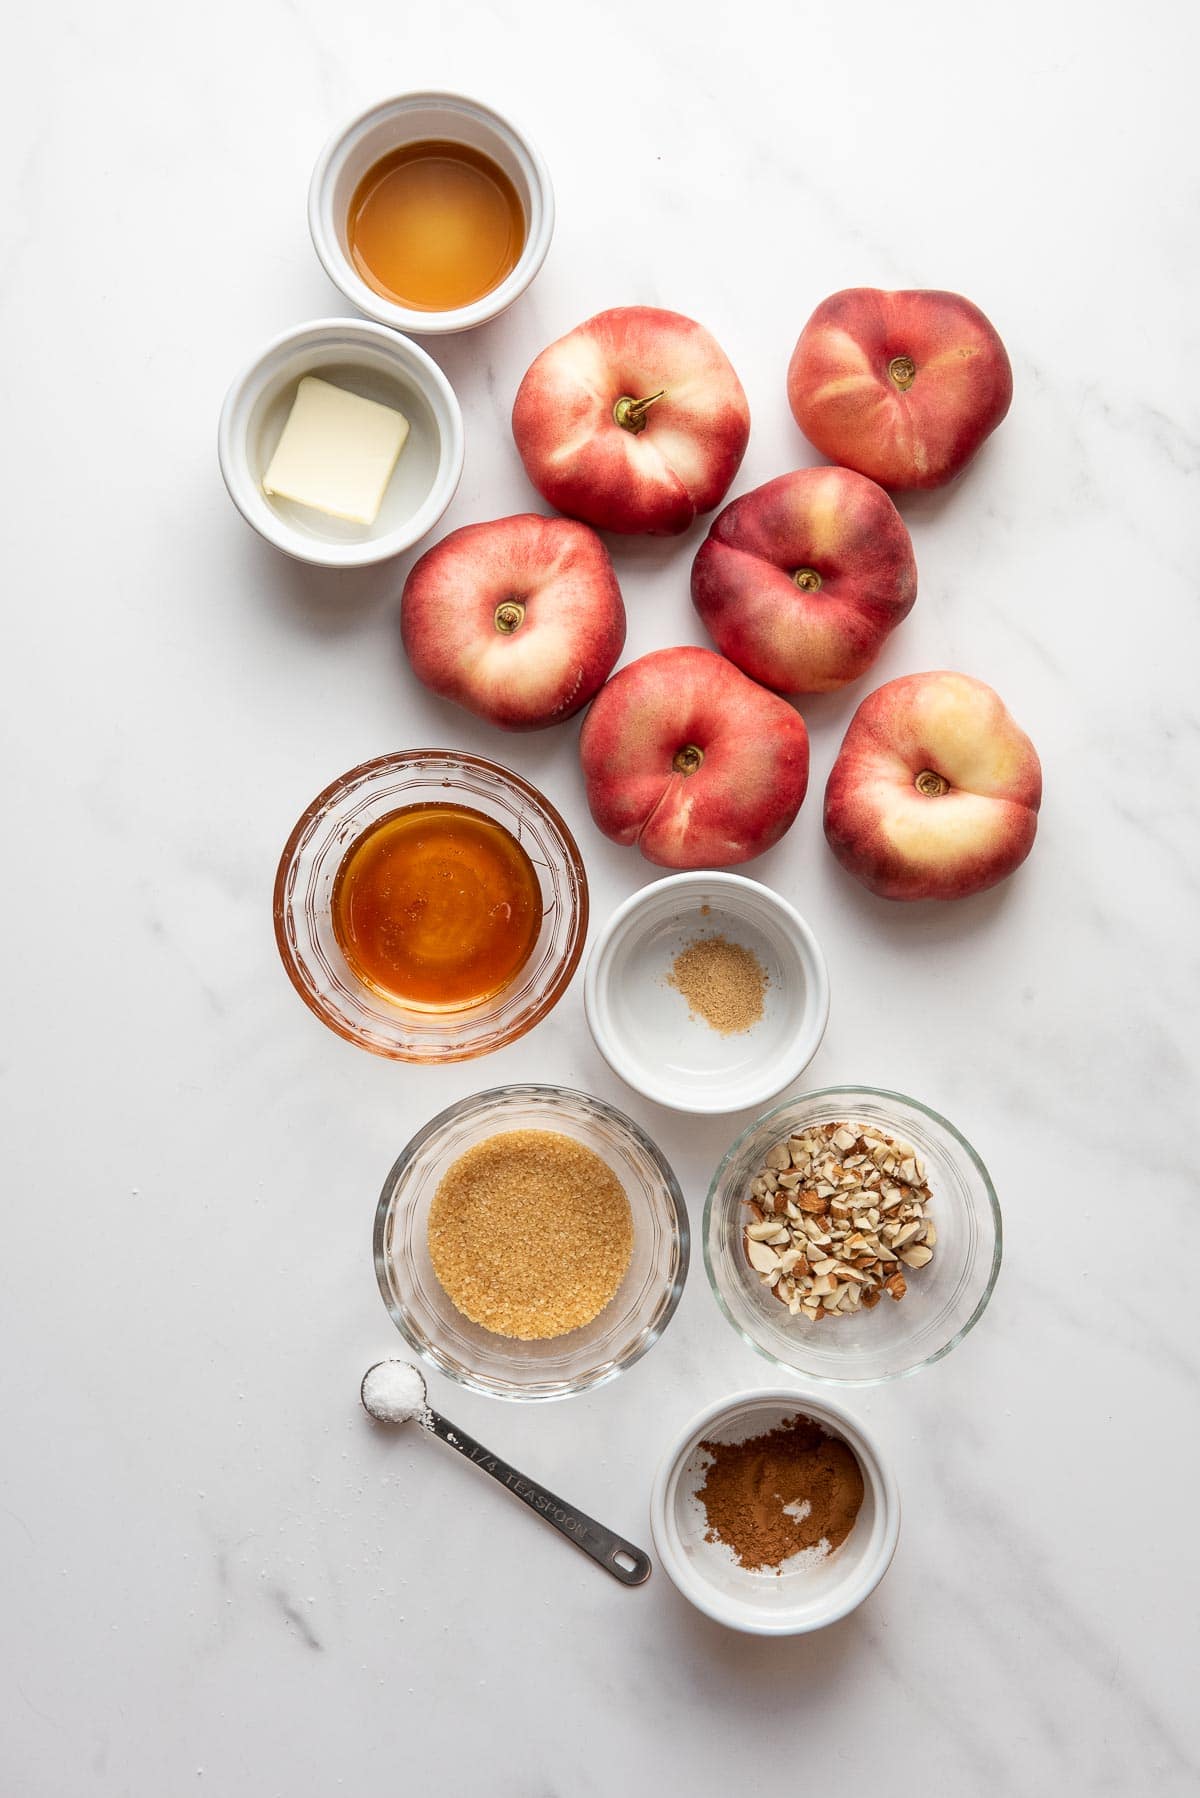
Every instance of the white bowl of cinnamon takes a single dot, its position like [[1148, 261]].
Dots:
[[774, 1513], [707, 992]]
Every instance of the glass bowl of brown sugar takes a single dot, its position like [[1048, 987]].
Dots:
[[531, 1242], [852, 1235]]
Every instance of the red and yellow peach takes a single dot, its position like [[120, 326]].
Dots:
[[695, 763], [801, 581], [902, 387], [935, 790]]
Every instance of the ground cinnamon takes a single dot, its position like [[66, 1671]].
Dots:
[[774, 1495]]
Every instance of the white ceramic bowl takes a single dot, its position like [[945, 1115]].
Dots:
[[643, 1027], [379, 365], [801, 1597], [409, 118]]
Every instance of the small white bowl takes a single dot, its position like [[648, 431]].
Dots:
[[643, 1027], [411, 118], [803, 1596], [379, 365]]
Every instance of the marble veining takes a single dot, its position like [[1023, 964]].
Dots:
[[218, 1576]]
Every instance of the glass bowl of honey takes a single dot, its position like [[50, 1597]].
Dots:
[[430, 906], [431, 212], [524, 1253]]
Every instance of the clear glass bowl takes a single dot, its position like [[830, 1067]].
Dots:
[[944, 1300], [630, 1323], [304, 889]]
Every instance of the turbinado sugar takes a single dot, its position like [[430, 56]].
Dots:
[[776, 1495], [530, 1234], [723, 983]]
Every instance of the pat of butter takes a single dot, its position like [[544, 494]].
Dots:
[[337, 452]]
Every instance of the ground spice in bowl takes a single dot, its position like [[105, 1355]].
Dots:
[[530, 1234], [775, 1495], [724, 983]]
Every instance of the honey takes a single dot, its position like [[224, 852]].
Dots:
[[435, 225], [436, 907]]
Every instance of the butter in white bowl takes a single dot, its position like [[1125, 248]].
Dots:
[[337, 453], [364, 361]]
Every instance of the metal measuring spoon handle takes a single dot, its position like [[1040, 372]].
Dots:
[[620, 1558]]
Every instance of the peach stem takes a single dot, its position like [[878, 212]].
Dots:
[[808, 580], [931, 784], [688, 759], [509, 616], [630, 414], [903, 371]]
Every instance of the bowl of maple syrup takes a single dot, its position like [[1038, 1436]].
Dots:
[[431, 212], [430, 906]]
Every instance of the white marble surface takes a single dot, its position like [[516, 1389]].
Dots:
[[218, 1577]]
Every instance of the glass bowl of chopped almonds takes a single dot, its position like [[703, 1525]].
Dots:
[[531, 1242], [852, 1235]]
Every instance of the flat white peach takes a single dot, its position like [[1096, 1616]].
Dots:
[[801, 581], [634, 421], [935, 790], [695, 763], [902, 387], [519, 620]]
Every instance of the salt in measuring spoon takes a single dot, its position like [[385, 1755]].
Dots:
[[394, 1392]]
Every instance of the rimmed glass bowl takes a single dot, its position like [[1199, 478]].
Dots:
[[556, 1367], [944, 1300], [303, 905]]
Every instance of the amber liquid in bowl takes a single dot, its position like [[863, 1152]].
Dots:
[[435, 225], [436, 907]]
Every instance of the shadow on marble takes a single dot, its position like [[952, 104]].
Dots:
[[920, 508], [708, 1135], [760, 1674], [647, 555], [471, 358], [325, 602], [826, 716], [939, 922]]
